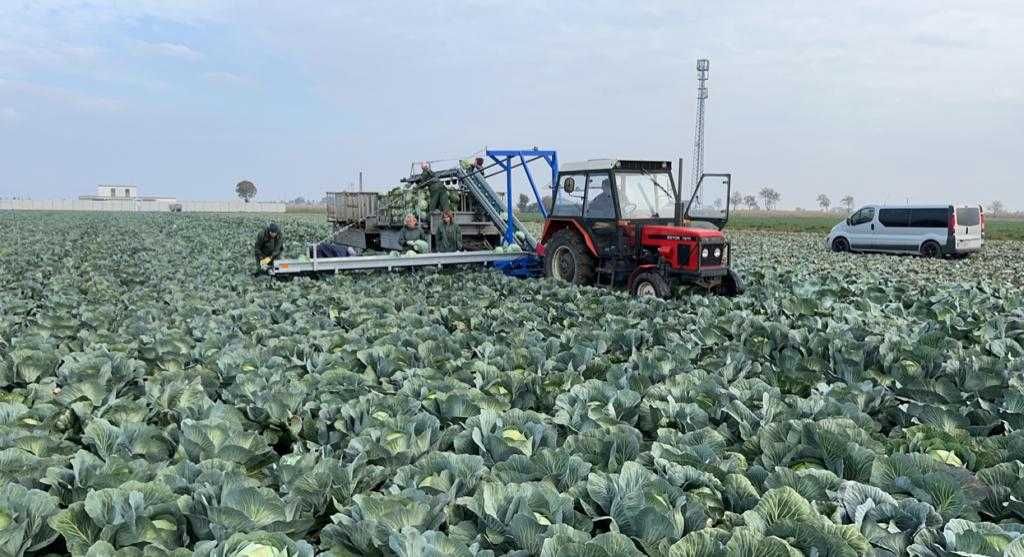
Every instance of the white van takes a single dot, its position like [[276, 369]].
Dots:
[[928, 230]]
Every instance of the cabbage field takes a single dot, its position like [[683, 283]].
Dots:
[[157, 399]]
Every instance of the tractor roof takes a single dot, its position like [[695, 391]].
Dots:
[[608, 164]]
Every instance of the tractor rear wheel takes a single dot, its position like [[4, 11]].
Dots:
[[566, 258], [651, 283]]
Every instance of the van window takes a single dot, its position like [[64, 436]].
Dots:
[[894, 218], [862, 216], [929, 218], [968, 216]]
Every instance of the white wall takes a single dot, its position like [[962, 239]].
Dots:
[[135, 206], [231, 207]]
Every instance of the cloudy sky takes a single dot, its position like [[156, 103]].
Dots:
[[879, 99]]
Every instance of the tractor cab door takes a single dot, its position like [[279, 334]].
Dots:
[[600, 212], [710, 200]]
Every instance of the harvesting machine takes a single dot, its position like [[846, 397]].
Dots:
[[610, 222]]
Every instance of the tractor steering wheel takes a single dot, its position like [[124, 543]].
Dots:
[[628, 208]]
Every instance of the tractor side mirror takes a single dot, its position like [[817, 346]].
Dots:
[[569, 185]]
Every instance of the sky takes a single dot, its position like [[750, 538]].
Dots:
[[881, 100]]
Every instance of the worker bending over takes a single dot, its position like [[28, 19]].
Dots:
[[438, 193], [411, 232], [449, 235], [269, 245]]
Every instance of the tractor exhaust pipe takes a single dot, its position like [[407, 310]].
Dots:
[[679, 193]]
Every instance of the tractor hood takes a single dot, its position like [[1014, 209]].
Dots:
[[668, 232]]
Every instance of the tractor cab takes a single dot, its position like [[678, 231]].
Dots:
[[623, 223]]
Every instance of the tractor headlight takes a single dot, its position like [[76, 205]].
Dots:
[[704, 253], [718, 253]]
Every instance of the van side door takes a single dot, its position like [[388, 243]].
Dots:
[[893, 232]]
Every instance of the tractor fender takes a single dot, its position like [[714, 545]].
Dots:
[[552, 226]]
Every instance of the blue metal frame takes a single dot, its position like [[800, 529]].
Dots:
[[503, 158]]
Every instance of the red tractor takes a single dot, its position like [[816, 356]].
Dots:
[[622, 223]]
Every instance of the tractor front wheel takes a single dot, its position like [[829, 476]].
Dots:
[[732, 285], [651, 283], [566, 258]]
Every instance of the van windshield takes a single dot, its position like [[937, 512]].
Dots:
[[968, 216]]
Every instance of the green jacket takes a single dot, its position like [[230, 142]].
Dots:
[[410, 235], [449, 237], [429, 181], [267, 246]]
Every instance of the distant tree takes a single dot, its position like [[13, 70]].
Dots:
[[532, 207], [848, 202], [996, 207], [824, 202], [298, 201], [769, 197], [750, 201], [246, 190], [524, 202], [718, 203], [736, 199]]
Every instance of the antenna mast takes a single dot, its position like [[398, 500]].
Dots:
[[698, 133]]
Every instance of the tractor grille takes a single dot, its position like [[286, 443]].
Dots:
[[683, 254], [711, 260]]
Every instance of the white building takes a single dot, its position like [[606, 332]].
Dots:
[[117, 192]]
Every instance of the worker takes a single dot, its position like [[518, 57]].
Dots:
[[449, 235], [331, 248], [602, 205], [410, 232], [438, 193], [269, 245]]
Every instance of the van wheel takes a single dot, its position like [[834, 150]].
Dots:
[[931, 249], [651, 283], [566, 258], [840, 244]]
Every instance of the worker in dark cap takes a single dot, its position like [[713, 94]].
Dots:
[[438, 200], [269, 245], [449, 235]]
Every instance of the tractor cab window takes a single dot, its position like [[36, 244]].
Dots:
[[600, 199], [569, 197], [645, 195]]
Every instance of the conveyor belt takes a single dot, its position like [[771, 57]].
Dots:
[[388, 262], [491, 203]]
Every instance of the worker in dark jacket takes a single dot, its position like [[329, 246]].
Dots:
[[410, 232], [438, 193], [269, 245], [449, 235]]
